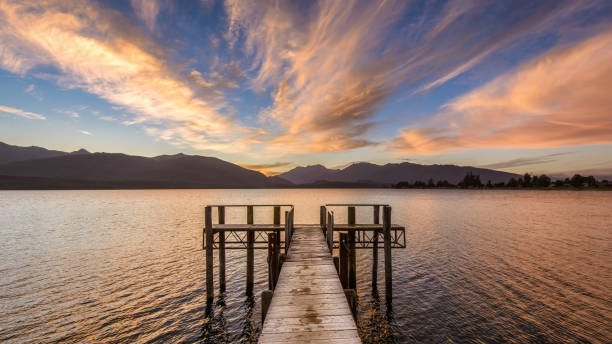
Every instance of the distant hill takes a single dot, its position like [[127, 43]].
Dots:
[[391, 173], [9, 153], [308, 174], [177, 170], [39, 168]]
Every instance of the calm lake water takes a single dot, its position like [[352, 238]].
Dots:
[[480, 266]]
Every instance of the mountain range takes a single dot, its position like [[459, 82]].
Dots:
[[39, 168]]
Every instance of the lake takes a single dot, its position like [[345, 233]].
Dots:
[[481, 266]]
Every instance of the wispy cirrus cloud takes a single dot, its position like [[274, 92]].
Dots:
[[85, 132], [520, 162], [96, 49], [21, 113], [559, 99], [332, 66], [147, 11]]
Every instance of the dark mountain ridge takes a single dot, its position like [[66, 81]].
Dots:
[[392, 173], [36, 167]]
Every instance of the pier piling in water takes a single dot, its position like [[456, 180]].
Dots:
[[210, 290], [376, 221], [221, 234], [388, 263]]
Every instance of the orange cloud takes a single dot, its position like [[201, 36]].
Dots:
[[560, 99], [333, 66], [95, 49]]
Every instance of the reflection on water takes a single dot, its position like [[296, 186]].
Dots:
[[480, 266]]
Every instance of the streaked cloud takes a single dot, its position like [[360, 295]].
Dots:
[[520, 162], [70, 113], [21, 113], [331, 67], [30, 88], [85, 132], [147, 11], [559, 99], [97, 50]]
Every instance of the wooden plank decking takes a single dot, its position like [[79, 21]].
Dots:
[[309, 305]]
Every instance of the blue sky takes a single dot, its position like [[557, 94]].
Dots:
[[514, 85]]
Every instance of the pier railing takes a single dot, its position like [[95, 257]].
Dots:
[[249, 236], [353, 236]]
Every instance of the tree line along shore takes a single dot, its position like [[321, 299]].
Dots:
[[472, 181]]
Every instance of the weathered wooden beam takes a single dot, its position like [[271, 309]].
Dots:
[[287, 224], [351, 216], [221, 213], [352, 260], [250, 215], [250, 262], [277, 215], [343, 261], [330, 233], [376, 221], [322, 218], [210, 291], [388, 263], [273, 260]]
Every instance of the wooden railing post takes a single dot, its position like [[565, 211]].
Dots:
[[322, 215], [250, 254], [210, 291], [249, 214], [343, 261], [352, 251], [351, 216], [286, 232], [221, 213], [388, 264], [250, 260], [330, 232], [273, 261], [277, 216], [376, 221]]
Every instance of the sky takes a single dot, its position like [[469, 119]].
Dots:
[[519, 86]]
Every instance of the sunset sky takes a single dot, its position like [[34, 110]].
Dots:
[[270, 85]]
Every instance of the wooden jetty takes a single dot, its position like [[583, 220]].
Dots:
[[312, 293]]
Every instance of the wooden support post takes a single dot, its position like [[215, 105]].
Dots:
[[375, 248], [273, 261], [266, 300], [330, 233], [337, 264], [352, 260], [221, 213], [343, 263], [351, 216], [250, 261], [322, 218], [286, 232], [277, 216], [249, 214], [210, 291], [388, 263]]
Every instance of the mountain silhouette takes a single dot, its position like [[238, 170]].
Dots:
[[36, 167], [391, 173], [178, 170]]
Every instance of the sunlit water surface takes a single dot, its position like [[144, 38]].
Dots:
[[480, 266]]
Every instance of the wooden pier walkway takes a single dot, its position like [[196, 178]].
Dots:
[[309, 303], [311, 296]]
